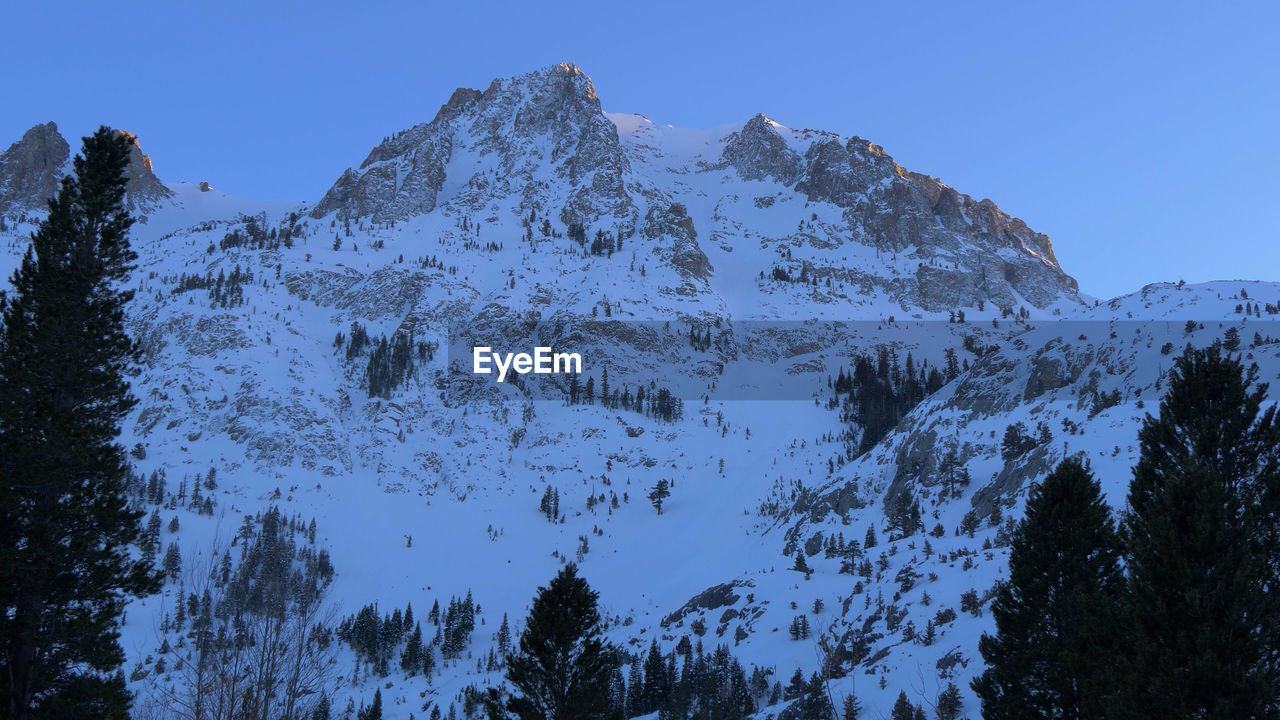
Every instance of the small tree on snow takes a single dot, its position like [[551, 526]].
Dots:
[[660, 492]]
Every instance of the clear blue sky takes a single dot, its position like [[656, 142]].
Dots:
[[1144, 140]]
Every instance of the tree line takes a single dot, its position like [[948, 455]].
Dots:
[[225, 291], [656, 402], [879, 391]]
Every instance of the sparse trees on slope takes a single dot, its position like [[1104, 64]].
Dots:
[[813, 703], [1048, 656], [66, 530], [259, 640]]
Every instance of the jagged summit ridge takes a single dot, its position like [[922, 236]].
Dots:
[[32, 167], [541, 142], [896, 210], [531, 132]]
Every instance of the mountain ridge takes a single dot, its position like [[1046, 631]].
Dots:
[[553, 117]]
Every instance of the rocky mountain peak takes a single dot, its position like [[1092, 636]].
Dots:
[[459, 102], [144, 189], [31, 167], [519, 137], [548, 99], [758, 152], [960, 244], [539, 144]]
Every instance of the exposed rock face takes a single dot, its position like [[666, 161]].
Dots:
[[516, 127], [757, 152], [402, 175], [541, 142], [713, 598], [843, 174], [144, 190], [959, 240], [30, 169], [677, 240], [960, 245], [558, 107]]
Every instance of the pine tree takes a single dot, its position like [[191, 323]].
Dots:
[[411, 658], [1047, 657], [903, 512], [635, 686], [851, 709], [801, 565], [904, 710], [374, 710], [562, 667], [504, 636], [796, 686], [949, 705], [1231, 340], [1200, 537], [657, 684], [660, 492], [814, 701], [63, 476], [172, 562]]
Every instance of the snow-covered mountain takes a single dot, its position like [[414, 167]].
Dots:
[[539, 143], [524, 212]]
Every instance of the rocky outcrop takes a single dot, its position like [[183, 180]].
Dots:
[[676, 240], [541, 137], [713, 598], [30, 169], [144, 190], [392, 189], [1013, 476], [758, 152], [961, 244], [844, 174]]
